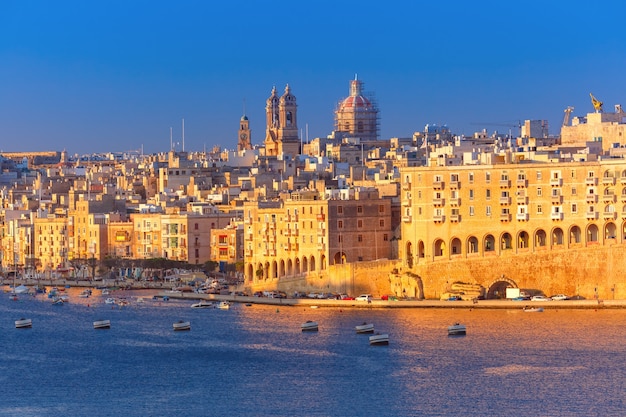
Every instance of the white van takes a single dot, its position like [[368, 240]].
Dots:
[[364, 297]]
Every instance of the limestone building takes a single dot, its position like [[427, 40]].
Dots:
[[608, 128]]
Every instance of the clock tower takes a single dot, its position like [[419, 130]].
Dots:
[[244, 141]]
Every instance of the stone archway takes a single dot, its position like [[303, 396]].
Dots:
[[497, 289]]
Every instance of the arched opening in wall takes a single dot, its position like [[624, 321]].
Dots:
[[297, 267], [323, 262], [574, 235], [421, 252], [305, 264], [455, 246], [312, 264], [289, 267], [250, 273], [522, 240], [557, 236], [472, 245], [506, 241], [592, 234], [339, 258], [282, 271], [439, 248], [266, 270], [409, 254], [490, 243], [540, 239], [497, 290], [623, 196], [610, 231], [624, 211], [274, 269]]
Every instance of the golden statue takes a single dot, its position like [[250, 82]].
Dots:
[[597, 104]]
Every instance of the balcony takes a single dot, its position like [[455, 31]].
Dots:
[[249, 236], [455, 201], [455, 218], [438, 185], [521, 200], [522, 217], [505, 183], [439, 219], [406, 219], [622, 180], [609, 215], [505, 200], [247, 220], [505, 217], [522, 183], [406, 186], [438, 201], [321, 246], [592, 198], [591, 215], [591, 181], [556, 182], [556, 216], [557, 199], [321, 217], [608, 180], [292, 218], [321, 232], [455, 185], [406, 203], [608, 198]]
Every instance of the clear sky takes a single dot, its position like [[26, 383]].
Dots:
[[96, 76]]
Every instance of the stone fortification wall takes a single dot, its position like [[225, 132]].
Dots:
[[590, 272]]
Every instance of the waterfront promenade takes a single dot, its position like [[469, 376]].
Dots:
[[163, 289]]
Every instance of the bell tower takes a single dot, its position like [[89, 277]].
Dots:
[[282, 126], [245, 141]]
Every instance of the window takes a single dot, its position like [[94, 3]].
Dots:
[[195, 226], [359, 209], [385, 237], [381, 208], [339, 224], [539, 192], [487, 177], [359, 238], [488, 195], [471, 194], [574, 208], [471, 177], [339, 209], [471, 210], [539, 175], [539, 209], [419, 194], [359, 223], [340, 238], [488, 212], [381, 223], [573, 190]]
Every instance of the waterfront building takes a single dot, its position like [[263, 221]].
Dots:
[[50, 243], [227, 244], [302, 235]]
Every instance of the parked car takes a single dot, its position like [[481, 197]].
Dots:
[[540, 298], [455, 298], [364, 297], [345, 297], [560, 297]]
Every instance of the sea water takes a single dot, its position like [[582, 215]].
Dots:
[[256, 361]]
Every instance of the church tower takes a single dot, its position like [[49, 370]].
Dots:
[[282, 128], [245, 141]]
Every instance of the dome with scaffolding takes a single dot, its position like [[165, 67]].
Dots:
[[357, 114]]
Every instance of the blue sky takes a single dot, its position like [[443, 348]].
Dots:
[[91, 76]]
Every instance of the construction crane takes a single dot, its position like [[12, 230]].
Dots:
[[568, 113], [597, 104]]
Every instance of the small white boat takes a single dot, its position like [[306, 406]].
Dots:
[[365, 328], [23, 323], [85, 293], [457, 329], [102, 324], [223, 305], [105, 291], [22, 289], [379, 339], [533, 309], [203, 304], [182, 325], [109, 300], [309, 326], [57, 301]]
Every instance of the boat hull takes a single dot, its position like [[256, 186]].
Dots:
[[309, 326], [102, 324], [365, 328], [379, 339], [182, 326], [457, 330], [23, 324]]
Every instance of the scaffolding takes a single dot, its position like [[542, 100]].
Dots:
[[358, 115]]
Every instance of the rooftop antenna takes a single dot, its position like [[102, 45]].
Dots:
[[183, 135], [171, 143]]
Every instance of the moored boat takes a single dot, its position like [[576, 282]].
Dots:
[[223, 305], [203, 304], [365, 328], [57, 301], [379, 339], [457, 329], [102, 324], [309, 326], [23, 323], [182, 325], [533, 309]]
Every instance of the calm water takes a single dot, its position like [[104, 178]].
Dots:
[[255, 361]]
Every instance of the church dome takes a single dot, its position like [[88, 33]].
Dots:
[[356, 101]]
